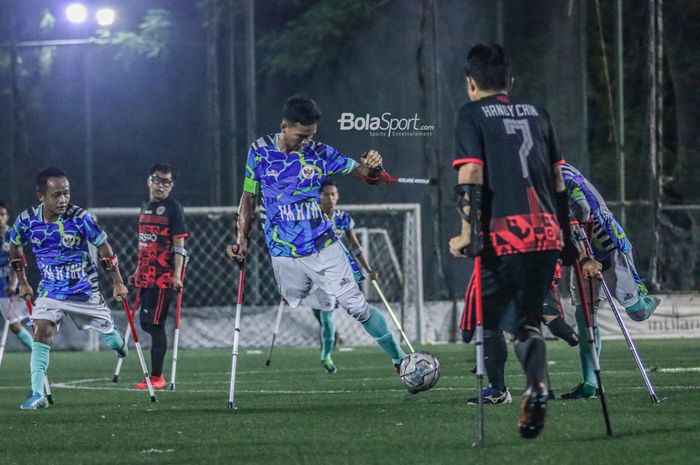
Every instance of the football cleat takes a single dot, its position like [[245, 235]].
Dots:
[[158, 382], [35, 400], [534, 410], [581, 391], [492, 396], [328, 365]]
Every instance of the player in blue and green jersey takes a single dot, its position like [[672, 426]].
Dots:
[[613, 250], [59, 234], [343, 225], [287, 170], [11, 309]]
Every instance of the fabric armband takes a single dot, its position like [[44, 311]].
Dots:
[[110, 263], [180, 251], [18, 264], [469, 195]]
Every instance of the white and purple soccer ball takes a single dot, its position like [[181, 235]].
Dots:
[[419, 371]]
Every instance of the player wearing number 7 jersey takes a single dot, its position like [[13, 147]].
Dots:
[[507, 156]]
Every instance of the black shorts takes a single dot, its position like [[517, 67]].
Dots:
[[154, 304], [513, 291]]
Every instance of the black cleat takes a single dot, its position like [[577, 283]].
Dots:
[[534, 410]]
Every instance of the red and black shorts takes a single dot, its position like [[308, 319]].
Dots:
[[154, 303], [513, 291]]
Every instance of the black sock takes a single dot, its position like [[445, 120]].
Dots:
[[532, 353], [159, 345], [495, 357]]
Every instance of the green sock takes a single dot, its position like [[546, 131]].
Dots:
[[25, 337], [377, 327], [327, 333], [38, 365], [584, 350], [112, 340]]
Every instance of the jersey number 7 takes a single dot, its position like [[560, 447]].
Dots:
[[512, 127]]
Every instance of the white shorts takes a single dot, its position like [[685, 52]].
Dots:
[[319, 300], [14, 313], [93, 314], [328, 275], [620, 278]]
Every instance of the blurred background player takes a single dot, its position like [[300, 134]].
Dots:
[[161, 256], [288, 170], [343, 225], [59, 234], [13, 310], [508, 153], [613, 250]]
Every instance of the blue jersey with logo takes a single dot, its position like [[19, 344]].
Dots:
[[4, 264], [588, 205], [61, 251], [290, 184]]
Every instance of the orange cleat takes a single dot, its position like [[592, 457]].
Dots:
[[158, 382]]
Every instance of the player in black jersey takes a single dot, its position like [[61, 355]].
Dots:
[[510, 182], [161, 255]]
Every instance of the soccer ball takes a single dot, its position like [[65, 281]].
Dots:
[[419, 371]]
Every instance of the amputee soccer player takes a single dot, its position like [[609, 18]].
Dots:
[[509, 177], [13, 310], [161, 255], [611, 248], [552, 316], [322, 303], [288, 170], [59, 233]]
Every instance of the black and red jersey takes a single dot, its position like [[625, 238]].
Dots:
[[159, 224], [517, 146]]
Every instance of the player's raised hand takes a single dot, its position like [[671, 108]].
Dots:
[[26, 292], [120, 292], [371, 159], [373, 275]]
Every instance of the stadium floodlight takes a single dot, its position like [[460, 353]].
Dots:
[[76, 13], [105, 16]]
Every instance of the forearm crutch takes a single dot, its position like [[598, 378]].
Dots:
[[127, 335], [236, 333], [278, 320], [47, 385], [392, 314], [479, 353], [137, 344], [176, 339], [5, 330], [630, 343], [587, 306]]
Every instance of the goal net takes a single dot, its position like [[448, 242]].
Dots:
[[389, 235]]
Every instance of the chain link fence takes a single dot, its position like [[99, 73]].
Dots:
[[389, 235]]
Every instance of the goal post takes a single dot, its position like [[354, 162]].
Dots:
[[389, 233]]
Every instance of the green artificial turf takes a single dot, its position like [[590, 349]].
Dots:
[[293, 413]]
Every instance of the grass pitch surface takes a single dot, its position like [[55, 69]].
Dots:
[[293, 413]]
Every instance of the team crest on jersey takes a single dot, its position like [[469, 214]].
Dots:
[[160, 210], [68, 240], [307, 172]]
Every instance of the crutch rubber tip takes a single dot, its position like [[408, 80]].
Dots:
[[50, 399], [267, 363], [153, 399], [115, 379], [172, 386], [231, 406], [551, 395]]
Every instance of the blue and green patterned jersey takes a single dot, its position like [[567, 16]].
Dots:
[[4, 263], [61, 251], [588, 205], [290, 184]]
